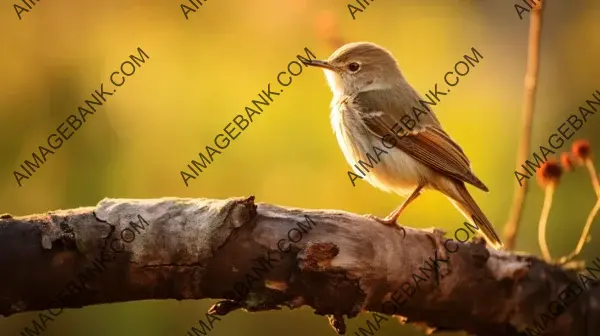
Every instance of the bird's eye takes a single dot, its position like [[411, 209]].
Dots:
[[353, 66]]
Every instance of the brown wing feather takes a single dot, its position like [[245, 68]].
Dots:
[[426, 142]]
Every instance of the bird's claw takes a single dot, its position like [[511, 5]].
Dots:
[[337, 323], [387, 221], [224, 307]]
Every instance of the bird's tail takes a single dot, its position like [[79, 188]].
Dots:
[[463, 201]]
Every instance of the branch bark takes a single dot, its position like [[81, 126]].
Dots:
[[340, 264]]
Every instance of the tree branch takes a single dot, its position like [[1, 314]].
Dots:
[[340, 264]]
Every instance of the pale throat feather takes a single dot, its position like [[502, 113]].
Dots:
[[340, 122], [348, 126]]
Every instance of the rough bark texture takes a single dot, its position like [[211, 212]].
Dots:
[[342, 264]]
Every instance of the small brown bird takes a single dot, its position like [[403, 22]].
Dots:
[[370, 98]]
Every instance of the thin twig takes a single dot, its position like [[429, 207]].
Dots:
[[586, 231], [549, 194], [593, 175], [588, 224], [535, 28]]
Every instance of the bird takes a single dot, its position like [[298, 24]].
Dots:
[[370, 98]]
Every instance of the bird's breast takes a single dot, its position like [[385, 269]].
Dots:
[[392, 170]]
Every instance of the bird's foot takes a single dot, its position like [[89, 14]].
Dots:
[[389, 220], [386, 221]]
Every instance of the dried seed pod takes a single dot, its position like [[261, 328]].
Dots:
[[581, 150], [549, 173], [566, 161]]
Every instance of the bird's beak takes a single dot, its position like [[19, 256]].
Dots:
[[320, 64]]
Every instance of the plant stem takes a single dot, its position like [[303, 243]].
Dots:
[[549, 193], [535, 28]]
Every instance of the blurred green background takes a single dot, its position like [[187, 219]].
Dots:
[[203, 71]]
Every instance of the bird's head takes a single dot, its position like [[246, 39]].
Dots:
[[358, 67]]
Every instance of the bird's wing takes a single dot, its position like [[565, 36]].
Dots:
[[426, 142]]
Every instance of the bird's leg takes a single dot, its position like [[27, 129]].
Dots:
[[391, 218]]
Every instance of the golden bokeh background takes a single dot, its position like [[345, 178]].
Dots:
[[204, 70]]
